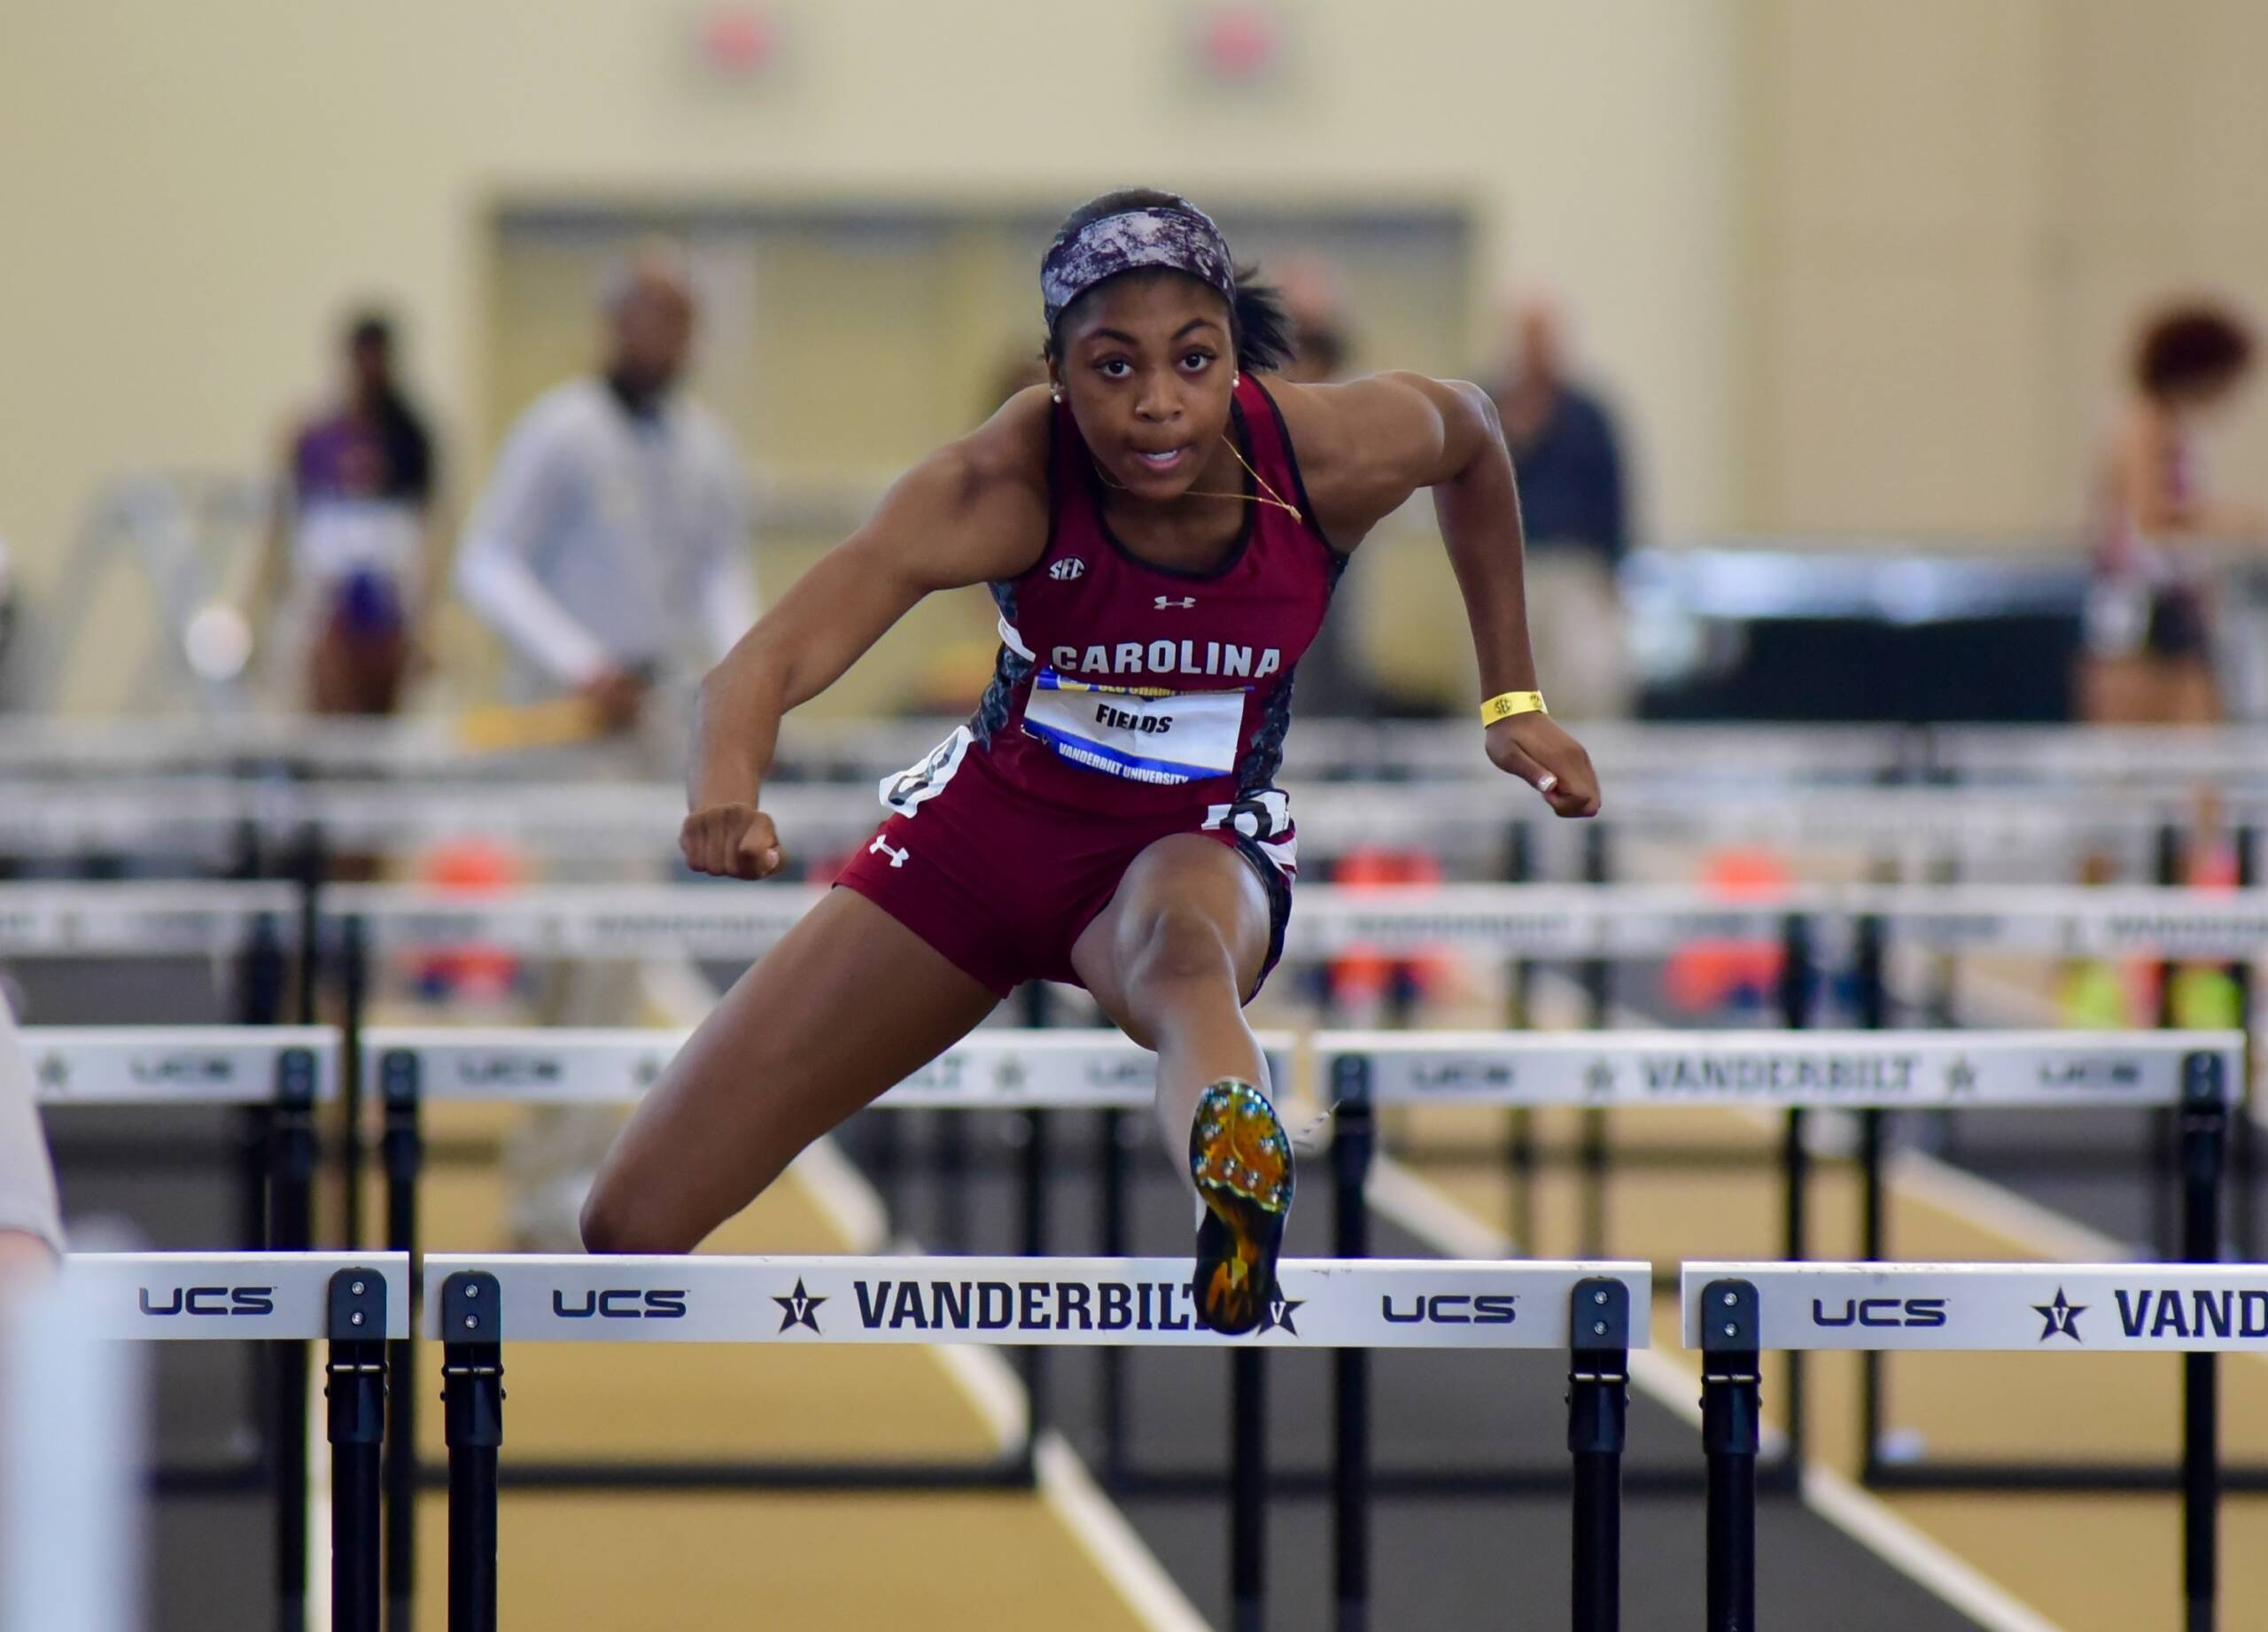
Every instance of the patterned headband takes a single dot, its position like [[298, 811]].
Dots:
[[1180, 236]]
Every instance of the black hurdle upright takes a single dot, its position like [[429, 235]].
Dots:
[[1248, 1488], [1599, 1393], [2204, 1134], [402, 1147], [355, 1387], [1873, 983], [1598, 976], [1111, 1363], [1598, 1403], [1797, 969], [1731, 1430], [472, 1374], [1353, 1136], [290, 1228], [1520, 1127], [1034, 1364]]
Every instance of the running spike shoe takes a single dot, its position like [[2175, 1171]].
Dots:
[[1241, 1161]]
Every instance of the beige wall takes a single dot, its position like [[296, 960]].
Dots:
[[1958, 207], [191, 193], [1859, 266]]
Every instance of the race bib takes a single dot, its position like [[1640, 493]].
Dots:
[[1144, 735]]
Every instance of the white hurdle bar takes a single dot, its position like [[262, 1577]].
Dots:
[[1595, 1313], [132, 917], [183, 1065], [1057, 1302], [992, 1069], [1816, 1071], [352, 1303], [1735, 1312], [1869, 1073], [1523, 920]]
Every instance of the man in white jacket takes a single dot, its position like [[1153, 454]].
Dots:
[[610, 550]]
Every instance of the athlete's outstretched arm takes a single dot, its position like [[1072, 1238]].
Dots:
[[974, 510], [1385, 438]]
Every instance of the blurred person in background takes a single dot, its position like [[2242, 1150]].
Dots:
[[610, 550], [1334, 681], [349, 567], [2150, 620], [1573, 506]]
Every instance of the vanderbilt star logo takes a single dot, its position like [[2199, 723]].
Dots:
[[1279, 1314], [55, 1071], [1599, 1078], [1961, 1076], [2062, 1318], [647, 1072], [798, 1308]]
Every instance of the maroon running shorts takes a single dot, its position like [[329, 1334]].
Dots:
[[1003, 883]]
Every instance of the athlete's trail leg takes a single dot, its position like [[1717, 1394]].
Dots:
[[849, 1004], [1170, 960]]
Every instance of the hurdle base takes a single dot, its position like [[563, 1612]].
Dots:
[[2072, 1477], [1776, 1478], [1011, 1471]]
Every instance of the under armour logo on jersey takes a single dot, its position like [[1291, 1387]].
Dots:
[[881, 847], [1165, 602], [1066, 568]]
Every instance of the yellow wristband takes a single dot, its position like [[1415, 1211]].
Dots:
[[1505, 704]]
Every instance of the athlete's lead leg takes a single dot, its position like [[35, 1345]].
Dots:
[[849, 1004], [1170, 960]]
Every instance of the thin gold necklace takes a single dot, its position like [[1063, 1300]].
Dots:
[[1269, 494]]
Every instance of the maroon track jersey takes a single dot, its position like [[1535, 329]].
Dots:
[[1129, 702]]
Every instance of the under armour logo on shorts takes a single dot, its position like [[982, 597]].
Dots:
[[1168, 601], [881, 847], [1066, 568]]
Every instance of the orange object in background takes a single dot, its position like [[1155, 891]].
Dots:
[[1362, 975], [472, 867], [1709, 975]]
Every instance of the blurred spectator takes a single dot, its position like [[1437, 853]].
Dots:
[[1334, 681], [1567, 458], [1563, 441], [31, 1223], [1322, 347], [610, 550], [2149, 624], [347, 576]]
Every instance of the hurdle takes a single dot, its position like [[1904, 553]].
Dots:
[[1595, 1313], [1031, 1074], [351, 1302], [1734, 1312], [1872, 1073], [277, 1075]]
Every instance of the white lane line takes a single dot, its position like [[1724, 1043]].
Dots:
[[1125, 1561], [1418, 1208], [1951, 1577]]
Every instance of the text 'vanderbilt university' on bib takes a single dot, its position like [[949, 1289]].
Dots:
[[1143, 733]]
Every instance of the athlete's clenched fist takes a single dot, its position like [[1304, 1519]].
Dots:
[[730, 841], [1532, 748]]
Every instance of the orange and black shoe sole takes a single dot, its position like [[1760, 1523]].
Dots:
[[1242, 1165]]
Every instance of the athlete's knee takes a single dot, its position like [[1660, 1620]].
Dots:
[[1176, 945]]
